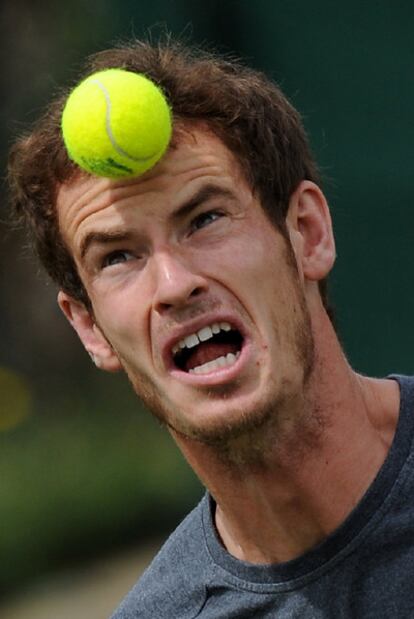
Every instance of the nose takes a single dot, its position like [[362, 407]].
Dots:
[[177, 282]]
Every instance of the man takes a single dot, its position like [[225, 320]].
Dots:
[[204, 280]]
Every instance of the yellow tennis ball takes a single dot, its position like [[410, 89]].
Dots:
[[116, 123]]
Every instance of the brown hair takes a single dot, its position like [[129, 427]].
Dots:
[[241, 106]]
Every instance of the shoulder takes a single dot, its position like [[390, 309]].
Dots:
[[174, 585]]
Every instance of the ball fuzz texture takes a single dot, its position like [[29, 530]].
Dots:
[[116, 123]]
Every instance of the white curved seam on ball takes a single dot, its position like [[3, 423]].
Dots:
[[111, 136]]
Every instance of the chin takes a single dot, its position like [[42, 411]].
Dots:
[[230, 417], [244, 408]]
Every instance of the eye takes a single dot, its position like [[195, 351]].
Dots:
[[205, 219], [117, 257]]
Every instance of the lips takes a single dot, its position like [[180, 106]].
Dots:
[[215, 345]]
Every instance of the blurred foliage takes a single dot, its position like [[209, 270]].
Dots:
[[88, 469], [79, 480], [15, 399]]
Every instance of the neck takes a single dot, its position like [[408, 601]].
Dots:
[[308, 481]]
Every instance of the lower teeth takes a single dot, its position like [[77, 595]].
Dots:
[[221, 362]]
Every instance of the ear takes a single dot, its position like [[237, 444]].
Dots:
[[310, 229], [95, 343]]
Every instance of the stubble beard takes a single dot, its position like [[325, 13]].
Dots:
[[284, 423]]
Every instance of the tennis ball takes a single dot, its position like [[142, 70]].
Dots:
[[116, 123]]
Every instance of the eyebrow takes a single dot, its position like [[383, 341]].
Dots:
[[100, 238], [207, 192]]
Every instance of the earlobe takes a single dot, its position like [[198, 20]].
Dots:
[[94, 341], [310, 228]]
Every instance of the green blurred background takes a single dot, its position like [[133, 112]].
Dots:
[[84, 470]]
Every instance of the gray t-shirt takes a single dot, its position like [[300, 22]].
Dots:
[[364, 569]]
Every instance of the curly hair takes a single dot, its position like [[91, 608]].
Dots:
[[241, 106]]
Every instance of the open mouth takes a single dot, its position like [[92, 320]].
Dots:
[[214, 346]]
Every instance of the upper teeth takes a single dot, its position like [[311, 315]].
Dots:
[[202, 335]]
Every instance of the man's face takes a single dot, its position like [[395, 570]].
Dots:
[[193, 288]]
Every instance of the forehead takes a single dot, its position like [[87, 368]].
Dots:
[[197, 156]]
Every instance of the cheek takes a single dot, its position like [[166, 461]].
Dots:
[[122, 320], [254, 271], [238, 260]]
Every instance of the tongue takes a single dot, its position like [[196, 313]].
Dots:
[[208, 351]]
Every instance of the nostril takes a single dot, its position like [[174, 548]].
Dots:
[[180, 300], [196, 292], [164, 307], [176, 285]]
